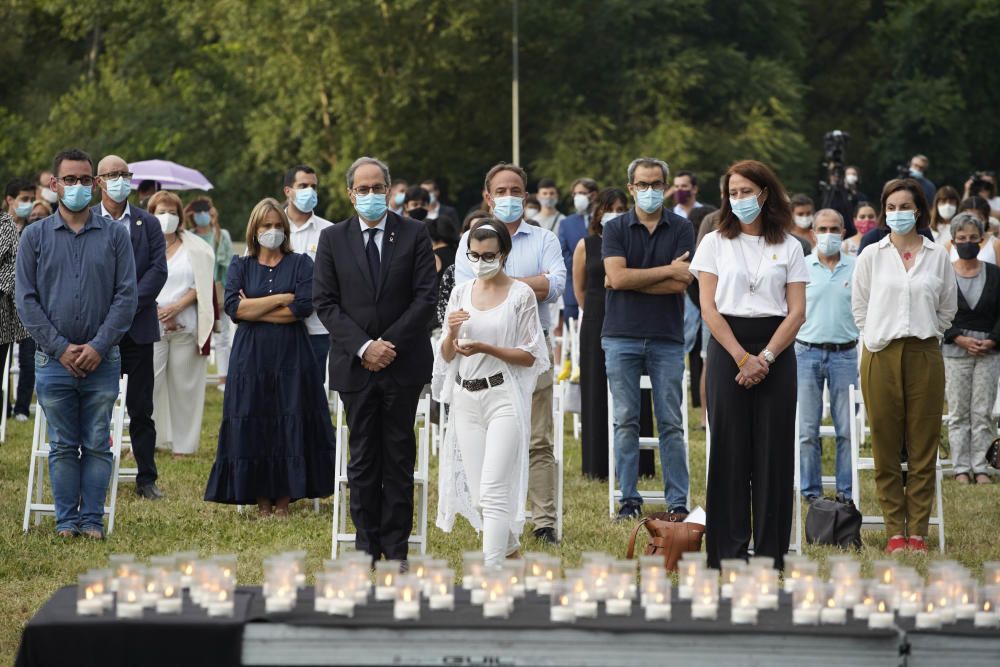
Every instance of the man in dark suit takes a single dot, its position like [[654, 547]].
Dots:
[[114, 178], [438, 210], [374, 290]]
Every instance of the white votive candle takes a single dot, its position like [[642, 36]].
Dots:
[[767, 601], [275, 604], [727, 591], [909, 609], [129, 610], [340, 607], [406, 610], [862, 611], [928, 620], [965, 611], [221, 608], [585, 608], [169, 605], [561, 614], [807, 616], [704, 611], [616, 607], [684, 592], [496, 609], [383, 593], [744, 616], [880, 619], [544, 586], [986, 619], [442, 601], [91, 607], [478, 595], [833, 616], [658, 611]]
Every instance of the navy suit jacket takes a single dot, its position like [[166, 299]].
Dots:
[[571, 230], [355, 311], [149, 250]]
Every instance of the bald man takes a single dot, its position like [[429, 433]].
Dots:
[[115, 181]]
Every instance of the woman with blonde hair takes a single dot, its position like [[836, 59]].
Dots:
[[185, 310], [276, 438]]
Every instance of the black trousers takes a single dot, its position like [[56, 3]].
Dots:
[[26, 376], [752, 463], [380, 471], [137, 363]]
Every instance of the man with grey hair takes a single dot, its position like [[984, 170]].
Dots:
[[827, 353], [374, 288], [645, 254]]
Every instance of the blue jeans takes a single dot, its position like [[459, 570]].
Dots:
[[78, 411], [321, 348], [840, 371], [626, 359], [692, 324]]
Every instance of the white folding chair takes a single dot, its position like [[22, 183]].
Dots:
[[421, 479], [558, 446], [34, 507], [5, 390], [647, 442], [859, 434]]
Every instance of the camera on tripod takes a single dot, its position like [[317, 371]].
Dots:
[[834, 160]]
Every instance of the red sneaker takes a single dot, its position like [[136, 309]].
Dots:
[[917, 544], [896, 544]]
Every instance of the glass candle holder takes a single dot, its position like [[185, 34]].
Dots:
[[533, 564], [834, 609], [863, 607], [122, 565], [159, 564], [991, 573], [767, 586], [418, 567], [473, 563], [442, 589], [584, 597], [324, 591], [171, 599], [357, 573], [910, 595], [963, 594], [687, 573], [386, 576], [89, 599], [406, 593], [129, 596], [280, 590], [185, 566], [597, 568], [705, 595], [499, 600], [943, 605], [619, 594], [884, 572], [628, 569], [102, 586], [807, 600], [657, 594], [761, 562], [793, 563], [513, 569], [151, 587], [845, 573], [802, 568], [561, 609], [652, 567], [220, 600], [699, 556], [743, 592], [207, 580], [883, 614], [227, 565], [927, 618], [551, 571], [732, 568], [988, 607]]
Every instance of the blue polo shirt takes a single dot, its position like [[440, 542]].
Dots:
[[829, 318], [632, 314]]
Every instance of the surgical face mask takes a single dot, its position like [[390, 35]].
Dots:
[[804, 221], [901, 222], [608, 217], [168, 222], [649, 200], [967, 250], [530, 213], [865, 226], [399, 198], [947, 211], [851, 179], [49, 195], [271, 239], [433, 197], [202, 218], [371, 206], [828, 245], [23, 209], [119, 189], [548, 202], [508, 209], [581, 203], [485, 270], [682, 196], [746, 209], [306, 199], [76, 197], [916, 173]]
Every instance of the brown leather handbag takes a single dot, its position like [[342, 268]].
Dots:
[[669, 536]]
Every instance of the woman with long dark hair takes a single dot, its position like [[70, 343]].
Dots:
[[752, 276]]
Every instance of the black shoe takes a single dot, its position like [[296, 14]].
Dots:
[[628, 511], [149, 491], [811, 499], [404, 567], [546, 536], [680, 510]]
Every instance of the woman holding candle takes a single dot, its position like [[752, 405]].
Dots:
[[276, 438], [904, 298], [752, 276], [486, 365]]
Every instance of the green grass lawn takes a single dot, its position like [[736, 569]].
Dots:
[[32, 566]]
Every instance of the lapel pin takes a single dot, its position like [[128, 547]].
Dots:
[[392, 237], [138, 223]]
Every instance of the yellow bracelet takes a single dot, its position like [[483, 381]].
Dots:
[[743, 361]]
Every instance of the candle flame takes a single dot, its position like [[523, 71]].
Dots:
[[388, 580], [407, 594], [89, 594], [98, 587], [151, 587], [965, 598], [168, 591], [563, 600], [831, 603], [222, 595], [930, 607], [887, 577], [881, 606], [987, 606], [130, 596]]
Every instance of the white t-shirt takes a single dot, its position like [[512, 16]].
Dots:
[[752, 274], [180, 279], [305, 240], [484, 326]]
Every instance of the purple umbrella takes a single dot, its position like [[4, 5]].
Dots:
[[170, 175]]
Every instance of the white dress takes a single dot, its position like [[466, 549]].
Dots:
[[519, 328]]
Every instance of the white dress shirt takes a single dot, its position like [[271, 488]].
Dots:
[[304, 240], [890, 302], [126, 214], [365, 237], [748, 260]]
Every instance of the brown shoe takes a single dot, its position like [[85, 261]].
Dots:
[[983, 478], [66, 534], [963, 479], [93, 534]]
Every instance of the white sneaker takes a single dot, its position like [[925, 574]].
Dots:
[[221, 387], [20, 418]]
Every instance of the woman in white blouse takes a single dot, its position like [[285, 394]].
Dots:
[[752, 277], [186, 314], [486, 366], [904, 298]]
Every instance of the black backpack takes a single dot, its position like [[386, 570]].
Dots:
[[836, 522]]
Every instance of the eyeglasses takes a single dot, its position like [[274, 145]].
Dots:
[[642, 186], [486, 256], [112, 175], [73, 180], [363, 190]]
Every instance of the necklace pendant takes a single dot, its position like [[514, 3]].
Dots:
[[907, 256]]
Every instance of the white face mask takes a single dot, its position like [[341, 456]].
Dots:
[[608, 217], [168, 222], [947, 211], [581, 203], [485, 270], [271, 239], [851, 179], [804, 221], [49, 195], [530, 213]]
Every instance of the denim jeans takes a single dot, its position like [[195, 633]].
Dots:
[[626, 359], [692, 324], [839, 370], [78, 411]]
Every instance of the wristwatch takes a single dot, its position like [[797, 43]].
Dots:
[[768, 356]]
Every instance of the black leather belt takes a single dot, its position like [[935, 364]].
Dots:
[[829, 347], [481, 383]]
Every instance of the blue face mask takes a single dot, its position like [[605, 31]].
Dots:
[[306, 199], [119, 189], [901, 222], [508, 209], [370, 206], [916, 173], [202, 218], [76, 197], [399, 198], [746, 209], [649, 200], [828, 245], [23, 209]]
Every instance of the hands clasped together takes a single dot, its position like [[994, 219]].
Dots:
[[80, 360], [752, 372]]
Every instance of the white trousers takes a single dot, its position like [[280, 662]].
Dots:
[[223, 344], [178, 392], [488, 439]]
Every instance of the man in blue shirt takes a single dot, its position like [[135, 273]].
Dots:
[[646, 256], [827, 351], [536, 261], [571, 230], [76, 293]]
